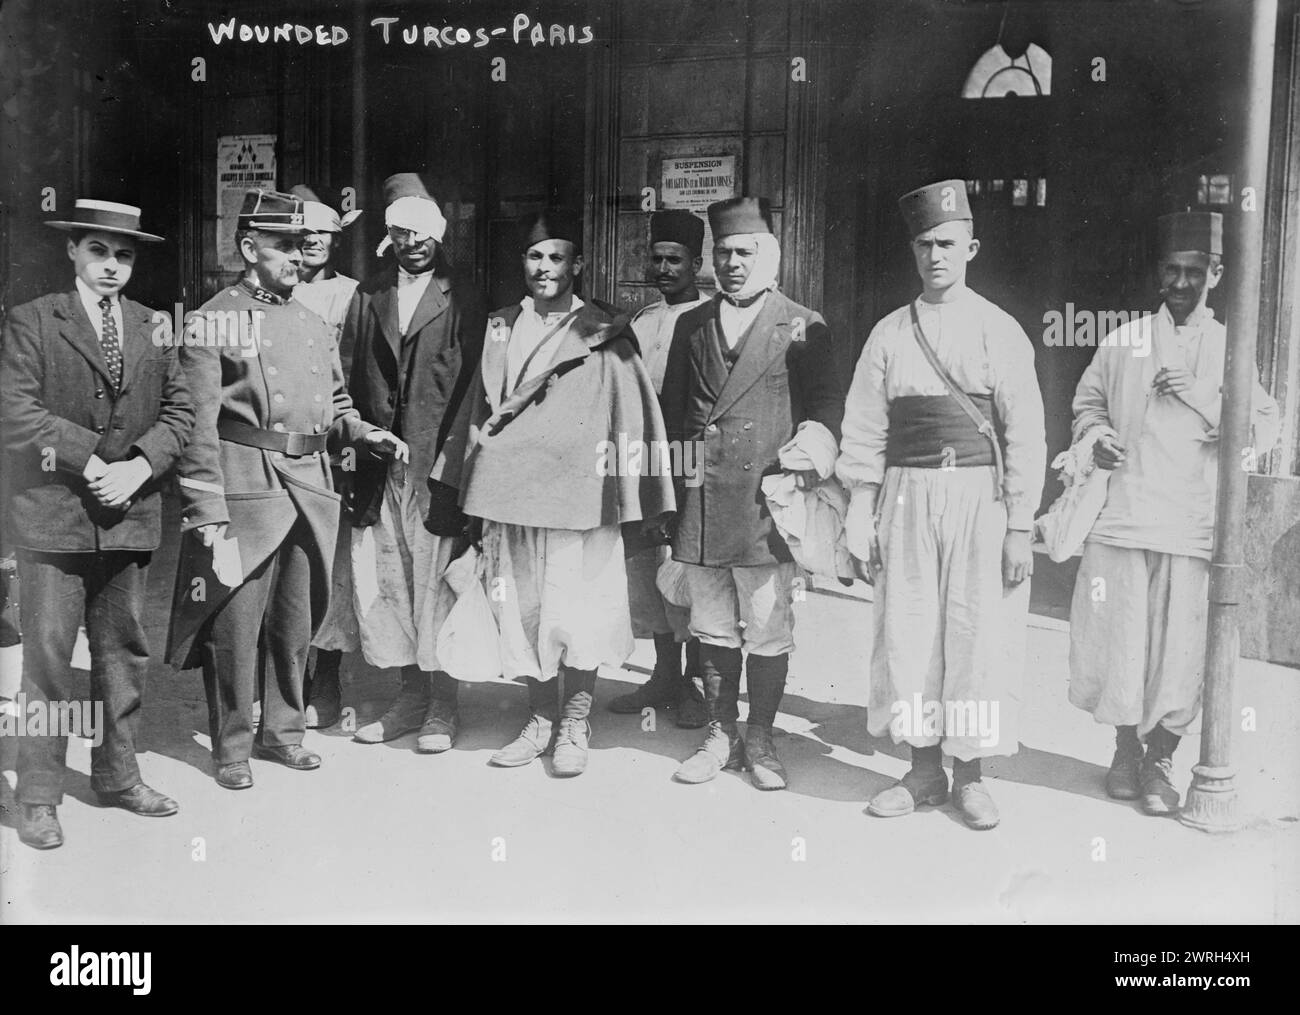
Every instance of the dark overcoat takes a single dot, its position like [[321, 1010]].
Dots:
[[284, 377], [58, 407], [412, 383], [785, 374]]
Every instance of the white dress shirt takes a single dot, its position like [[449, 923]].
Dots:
[[410, 290], [735, 320], [90, 300], [529, 329]]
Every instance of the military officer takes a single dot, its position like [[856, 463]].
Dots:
[[259, 515]]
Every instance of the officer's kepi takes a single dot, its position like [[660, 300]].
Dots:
[[934, 204]]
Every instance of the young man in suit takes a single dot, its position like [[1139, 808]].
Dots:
[[94, 414], [750, 373], [416, 338]]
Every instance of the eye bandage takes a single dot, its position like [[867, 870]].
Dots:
[[418, 215]]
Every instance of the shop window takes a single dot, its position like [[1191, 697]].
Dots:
[[997, 74]]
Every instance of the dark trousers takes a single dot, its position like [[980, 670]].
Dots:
[[257, 641], [106, 592]]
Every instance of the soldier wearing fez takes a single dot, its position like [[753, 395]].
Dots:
[[560, 381], [941, 513], [93, 414], [259, 515], [1137, 655], [676, 241], [416, 338], [749, 374]]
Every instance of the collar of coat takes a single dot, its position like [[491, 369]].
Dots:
[[77, 330], [382, 290], [595, 325]]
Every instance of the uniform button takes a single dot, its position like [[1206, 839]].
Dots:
[[272, 371], [748, 426], [319, 428], [266, 342], [713, 428], [747, 465], [278, 427], [316, 398], [315, 370], [279, 396], [99, 392], [99, 429]]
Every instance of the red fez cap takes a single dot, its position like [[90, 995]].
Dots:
[[677, 225], [272, 212], [406, 185], [1191, 230], [550, 224], [928, 206], [740, 215]]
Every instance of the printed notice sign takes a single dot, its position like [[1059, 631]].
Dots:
[[243, 161], [694, 183]]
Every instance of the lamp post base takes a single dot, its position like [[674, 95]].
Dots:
[[1212, 804]]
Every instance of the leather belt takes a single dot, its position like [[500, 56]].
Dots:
[[287, 442]]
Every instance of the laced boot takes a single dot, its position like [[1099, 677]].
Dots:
[[574, 732], [405, 714], [441, 718], [924, 784], [722, 747], [765, 676], [324, 693], [1156, 782], [1122, 778], [535, 738], [662, 689], [971, 796]]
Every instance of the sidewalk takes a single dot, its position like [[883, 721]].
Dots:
[[382, 833]]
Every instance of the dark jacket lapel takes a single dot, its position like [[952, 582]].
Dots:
[[769, 336], [384, 306], [136, 322], [432, 303], [75, 327]]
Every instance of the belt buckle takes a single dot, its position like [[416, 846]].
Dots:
[[293, 445]]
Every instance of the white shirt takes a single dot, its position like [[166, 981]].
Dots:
[[410, 290], [526, 335], [987, 353], [653, 326], [736, 320], [90, 300]]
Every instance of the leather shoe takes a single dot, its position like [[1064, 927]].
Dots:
[[1122, 777], [569, 757], [289, 755], [722, 749], [405, 715], [977, 808], [140, 799], [916, 788], [439, 730], [236, 775], [38, 826], [533, 741]]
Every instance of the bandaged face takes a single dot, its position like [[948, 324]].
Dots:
[[415, 252], [550, 268]]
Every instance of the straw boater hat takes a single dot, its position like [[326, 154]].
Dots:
[[106, 217], [321, 217]]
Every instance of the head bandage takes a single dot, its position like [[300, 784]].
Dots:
[[419, 215]]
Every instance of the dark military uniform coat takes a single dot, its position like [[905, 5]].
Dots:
[[283, 376]]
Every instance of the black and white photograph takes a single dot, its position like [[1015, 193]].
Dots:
[[643, 463]]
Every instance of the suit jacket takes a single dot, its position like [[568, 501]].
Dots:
[[58, 407], [283, 375], [785, 374], [411, 384]]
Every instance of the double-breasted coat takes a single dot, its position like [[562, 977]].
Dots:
[[411, 383], [738, 421], [281, 376], [58, 406]]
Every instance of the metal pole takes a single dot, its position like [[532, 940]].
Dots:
[[359, 246], [1212, 803]]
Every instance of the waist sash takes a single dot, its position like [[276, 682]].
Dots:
[[933, 432]]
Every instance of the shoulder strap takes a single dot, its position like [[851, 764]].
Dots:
[[982, 424]]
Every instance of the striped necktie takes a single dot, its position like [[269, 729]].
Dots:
[[109, 341]]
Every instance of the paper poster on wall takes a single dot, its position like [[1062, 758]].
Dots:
[[243, 161], [694, 182]]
